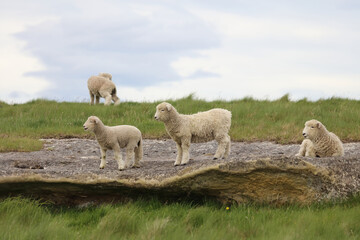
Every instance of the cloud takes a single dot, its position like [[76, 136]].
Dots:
[[269, 57], [168, 49], [14, 64], [134, 42]]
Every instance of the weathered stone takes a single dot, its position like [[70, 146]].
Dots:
[[67, 172]]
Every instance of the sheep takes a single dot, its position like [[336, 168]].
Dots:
[[199, 127], [115, 138], [319, 142], [102, 86]]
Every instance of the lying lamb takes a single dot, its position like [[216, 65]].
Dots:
[[102, 86], [319, 142], [199, 127], [115, 138]]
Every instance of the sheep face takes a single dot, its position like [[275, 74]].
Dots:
[[91, 123], [163, 112], [312, 129]]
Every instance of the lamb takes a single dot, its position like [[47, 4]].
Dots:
[[199, 127], [102, 86], [115, 138], [319, 142]]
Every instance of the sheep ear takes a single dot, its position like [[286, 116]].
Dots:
[[94, 120], [168, 107], [318, 125]]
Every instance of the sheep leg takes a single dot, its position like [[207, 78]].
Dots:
[[129, 156], [97, 99], [310, 150], [91, 98], [118, 158], [115, 99], [103, 158], [227, 149], [107, 97], [179, 154], [222, 145], [302, 150], [185, 145], [138, 155], [306, 149]]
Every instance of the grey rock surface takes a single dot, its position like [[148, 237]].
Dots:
[[66, 171]]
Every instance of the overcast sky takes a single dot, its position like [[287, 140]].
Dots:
[[157, 50]]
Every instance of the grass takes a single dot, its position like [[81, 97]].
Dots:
[[21, 125], [281, 120], [27, 219]]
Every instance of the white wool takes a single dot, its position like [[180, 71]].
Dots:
[[105, 75], [319, 142], [102, 86], [115, 138], [200, 127]]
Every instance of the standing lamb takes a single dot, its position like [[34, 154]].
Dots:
[[115, 138], [102, 86], [199, 127], [319, 142]]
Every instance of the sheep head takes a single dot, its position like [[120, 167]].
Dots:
[[91, 123], [312, 129], [163, 111]]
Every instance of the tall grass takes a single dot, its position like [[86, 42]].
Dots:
[[25, 219], [281, 120]]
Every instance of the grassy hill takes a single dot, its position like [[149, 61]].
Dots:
[[282, 120]]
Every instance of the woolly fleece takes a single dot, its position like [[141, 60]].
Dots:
[[106, 75]]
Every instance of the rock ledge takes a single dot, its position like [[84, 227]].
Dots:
[[66, 172]]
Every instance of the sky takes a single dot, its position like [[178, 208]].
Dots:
[[158, 50]]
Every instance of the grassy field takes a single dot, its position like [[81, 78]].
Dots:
[[26, 219], [21, 125]]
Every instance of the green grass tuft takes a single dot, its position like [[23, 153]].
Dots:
[[19, 144], [27, 219]]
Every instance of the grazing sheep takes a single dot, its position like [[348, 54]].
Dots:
[[199, 127], [102, 86], [115, 138], [319, 142]]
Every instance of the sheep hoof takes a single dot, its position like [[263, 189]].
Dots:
[[102, 167], [183, 164], [215, 158], [136, 166]]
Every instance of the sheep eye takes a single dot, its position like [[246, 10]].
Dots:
[[312, 127], [162, 110]]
